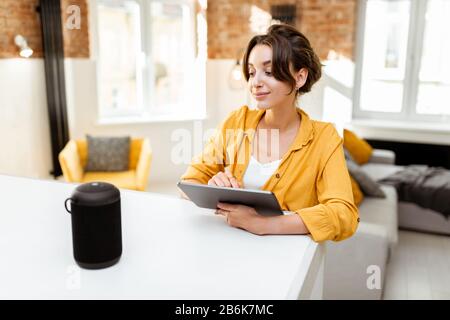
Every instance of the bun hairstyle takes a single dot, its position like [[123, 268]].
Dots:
[[291, 50]]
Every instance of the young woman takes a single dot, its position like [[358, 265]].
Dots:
[[279, 148]]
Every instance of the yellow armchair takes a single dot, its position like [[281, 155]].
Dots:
[[73, 159]]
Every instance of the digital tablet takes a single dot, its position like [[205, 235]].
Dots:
[[205, 196]]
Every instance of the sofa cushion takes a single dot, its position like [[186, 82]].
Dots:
[[378, 171], [368, 186], [382, 156], [382, 212], [107, 153], [360, 150]]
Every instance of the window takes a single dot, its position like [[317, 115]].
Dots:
[[119, 69], [403, 70], [151, 62], [434, 76]]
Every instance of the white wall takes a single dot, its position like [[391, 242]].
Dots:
[[24, 127]]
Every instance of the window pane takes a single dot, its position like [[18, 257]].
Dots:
[[434, 76], [119, 47], [384, 55], [172, 38]]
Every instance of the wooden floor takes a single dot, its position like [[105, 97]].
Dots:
[[419, 268]]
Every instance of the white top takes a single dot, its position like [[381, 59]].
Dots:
[[171, 250], [258, 173]]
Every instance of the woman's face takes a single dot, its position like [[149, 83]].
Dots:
[[265, 89]]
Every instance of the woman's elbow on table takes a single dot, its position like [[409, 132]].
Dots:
[[333, 221], [348, 222]]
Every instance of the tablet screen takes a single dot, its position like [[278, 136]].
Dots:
[[205, 196]]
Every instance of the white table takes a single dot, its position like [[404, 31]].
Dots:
[[171, 250]]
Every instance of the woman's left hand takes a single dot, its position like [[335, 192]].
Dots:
[[240, 216]]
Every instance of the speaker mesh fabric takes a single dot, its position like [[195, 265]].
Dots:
[[96, 233]]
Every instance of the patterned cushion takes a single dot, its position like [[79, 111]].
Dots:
[[368, 186], [107, 153]]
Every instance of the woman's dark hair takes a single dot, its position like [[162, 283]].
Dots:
[[291, 49]]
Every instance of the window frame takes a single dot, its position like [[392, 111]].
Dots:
[[416, 33]]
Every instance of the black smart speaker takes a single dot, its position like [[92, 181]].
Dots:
[[96, 225]]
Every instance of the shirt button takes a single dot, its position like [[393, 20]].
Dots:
[[277, 175]]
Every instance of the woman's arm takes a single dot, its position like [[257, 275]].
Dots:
[[335, 217], [287, 224], [247, 218]]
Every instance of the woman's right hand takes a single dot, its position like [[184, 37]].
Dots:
[[224, 179]]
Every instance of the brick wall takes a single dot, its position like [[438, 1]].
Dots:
[[76, 41], [20, 17], [329, 24]]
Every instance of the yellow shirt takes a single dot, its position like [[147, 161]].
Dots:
[[311, 180]]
